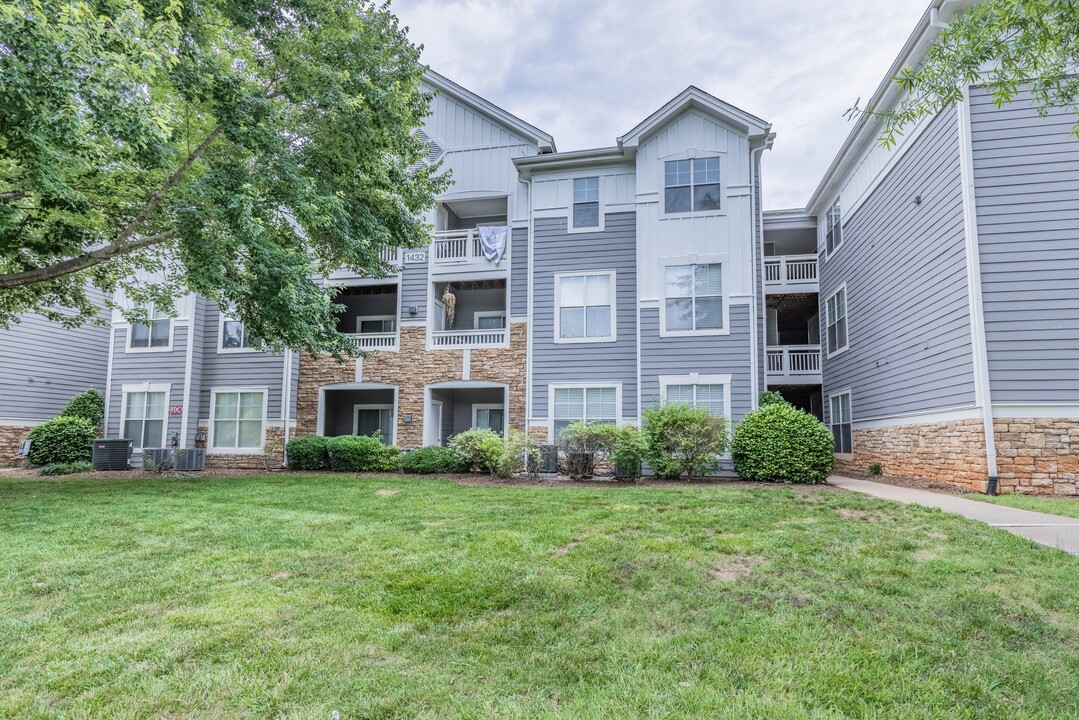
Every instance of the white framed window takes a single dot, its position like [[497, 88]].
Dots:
[[840, 421], [584, 307], [234, 337], [155, 335], [692, 185], [586, 210], [693, 299], [594, 402], [369, 419], [489, 416], [836, 321], [367, 324], [833, 228], [237, 419], [711, 392], [144, 415], [489, 320]]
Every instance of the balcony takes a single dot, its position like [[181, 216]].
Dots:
[[369, 318], [468, 314], [790, 274], [794, 365], [457, 249], [370, 342], [443, 339]]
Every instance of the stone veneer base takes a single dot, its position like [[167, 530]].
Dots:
[[271, 459], [11, 436], [1037, 456]]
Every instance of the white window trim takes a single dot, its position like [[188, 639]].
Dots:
[[214, 392], [699, 379], [146, 388], [841, 393], [723, 262], [149, 349], [361, 318], [824, 236], [570, 229], [376, 406], [692, 154], [613, 337], [476, 407], [221, 349], [617, 385], [490, 313], [828, 321]]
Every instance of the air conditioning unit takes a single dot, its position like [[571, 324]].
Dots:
[[545, 461], [111, 454], [183, 460]]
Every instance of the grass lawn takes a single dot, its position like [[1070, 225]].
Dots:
[[295, 597], [1068, 507]]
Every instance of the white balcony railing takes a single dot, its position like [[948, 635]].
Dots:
[[391, 256], [468, 338], [367, 342], [795, 273], [457, 246], [794, 364]]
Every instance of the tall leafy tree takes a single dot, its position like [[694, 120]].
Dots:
[[1007, 46], [233, 148]]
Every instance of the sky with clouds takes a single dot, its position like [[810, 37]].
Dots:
[[587, 72]]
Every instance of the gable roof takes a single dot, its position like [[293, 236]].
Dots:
[[543, 140], [695, 98]]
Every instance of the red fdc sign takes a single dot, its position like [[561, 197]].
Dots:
[[176, 409]]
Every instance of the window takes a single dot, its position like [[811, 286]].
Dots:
[[234, 336], [834, 228], [837, 321], [840, 419], [594, 404], [584, 307], [709, 397], [489, 417], [144, 419], [691, 185], [369, 419], [237, 419], [489, 320], [586, 202], [376, 324], [156, 334], [694, 297]]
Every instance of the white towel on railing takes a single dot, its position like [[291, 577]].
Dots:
[[493, 242]]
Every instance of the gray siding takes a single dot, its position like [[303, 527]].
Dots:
[[42, 365], [705, 354], [1026, 171], [519, 273], [414, 289], [904, 265], [147, 367], [555, 251], [225, 370], [195, 410]]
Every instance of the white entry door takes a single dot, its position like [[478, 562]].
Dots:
[[434, 423]]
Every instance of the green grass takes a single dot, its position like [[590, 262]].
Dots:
[[1068, 507], [294, 597]]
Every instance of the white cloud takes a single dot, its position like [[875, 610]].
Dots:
[[588, 72]]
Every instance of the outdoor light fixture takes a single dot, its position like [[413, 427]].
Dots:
[[412, 310], [408, 417]]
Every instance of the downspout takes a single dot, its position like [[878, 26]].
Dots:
[[528, 294], [758, 248], [286, 403]]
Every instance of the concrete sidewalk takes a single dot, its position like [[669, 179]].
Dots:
[[1052, 530]]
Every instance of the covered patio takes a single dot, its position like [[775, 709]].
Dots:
[[358, 409], [453, 407]]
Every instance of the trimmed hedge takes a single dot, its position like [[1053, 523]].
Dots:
[[88, 405], [352, 453], [680, 438], [433, 460], [780, 443], [770, 397], [62, 440], [481, 449], [307, 453]]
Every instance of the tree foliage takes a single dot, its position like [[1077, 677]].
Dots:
[[232, 148], [1005, 45]]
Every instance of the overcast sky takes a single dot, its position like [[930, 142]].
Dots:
[[587, 72]]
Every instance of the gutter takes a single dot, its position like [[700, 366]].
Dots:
[[758, 249]]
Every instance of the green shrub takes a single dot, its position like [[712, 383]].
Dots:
[[770, 397], [680, 438], [65, 468], [307, 453], [481, 449], [628, 452], [780, 443], [62, 440], [433, 460], [88, 405], [362, 453], [873, 470], [516, 448], [584, 445]]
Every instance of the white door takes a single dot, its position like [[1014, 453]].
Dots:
[[434, 423]]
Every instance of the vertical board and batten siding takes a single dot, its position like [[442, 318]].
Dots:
[[136, 368], [556, 251], [1026, 174], [232, 370], [519, 272], [414, 289], [904, 265], [77, 359], [704, 354]]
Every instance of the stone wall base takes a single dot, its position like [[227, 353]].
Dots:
[[948, 451], [271, 458], [1037, 456], [11, 436]]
